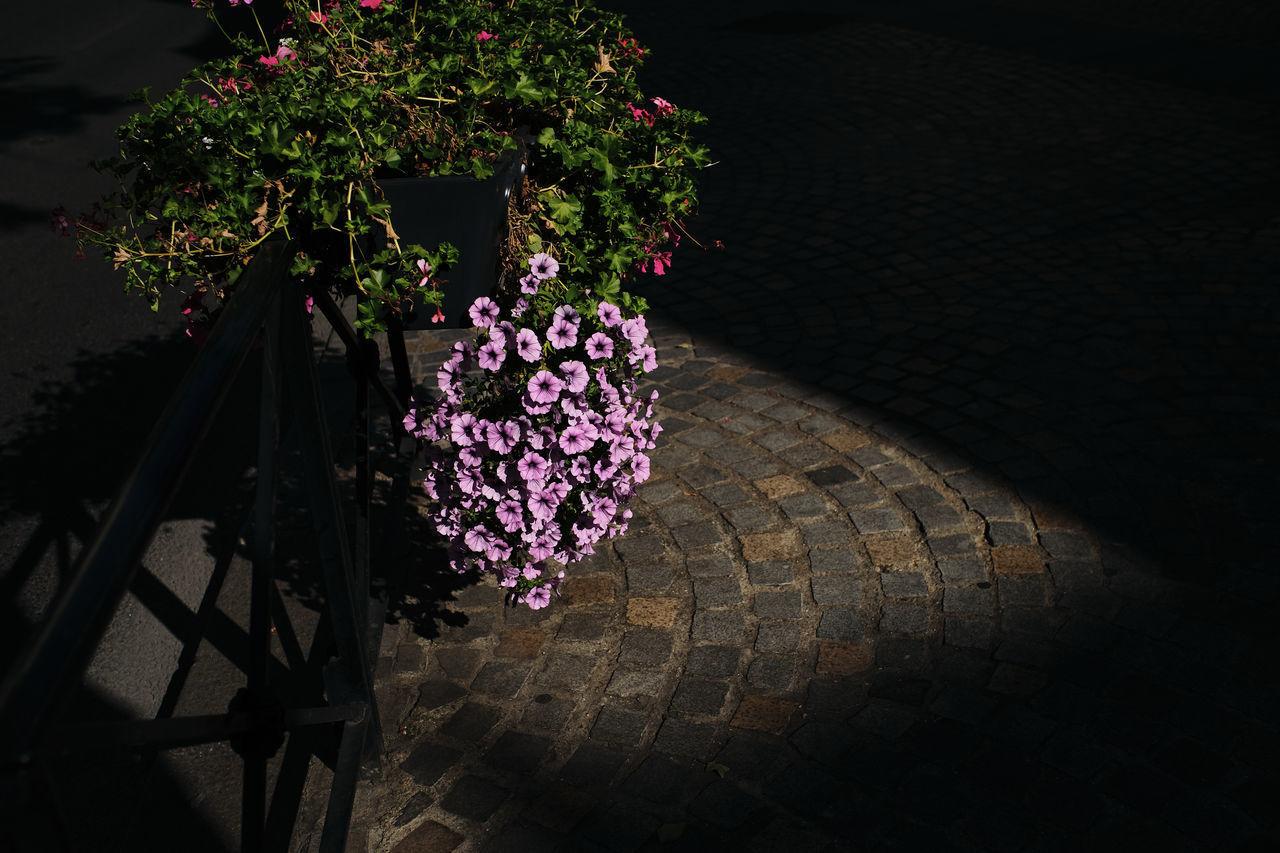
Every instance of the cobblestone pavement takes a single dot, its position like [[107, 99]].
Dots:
[[959, 537]]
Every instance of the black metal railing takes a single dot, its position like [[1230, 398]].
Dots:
[[262, 309]]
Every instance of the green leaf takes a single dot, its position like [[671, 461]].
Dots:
[[547, 136], [601, 163], [525, 90]]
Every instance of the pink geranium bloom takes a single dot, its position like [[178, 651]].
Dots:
[[483, 36], [665, 108], [318, 17], [371, 4], [425, 269]]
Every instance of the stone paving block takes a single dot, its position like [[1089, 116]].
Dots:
[[971, 601], [1013, 559], [517, 752], [778, 604], [626, 681], [784, 412], [458, 662], [547, 713], [710, 565], [673, 514], [714, 410], [437, 693], [957, 570], [831, 475], [669, 457], [1073, 575], [415, 807], [904, 618], [830, 561], [777, 440], [771, 673], [777, 637], [565, 671], [1036, 621], [888, 720], [779, 486], [713, 661], [429, 837], [955, 545], [779, 545], [804, 506], [725, 495], [650, 577], [892, 551], [881, 519], [619, 725], [474, 797], [895, 475], [819, 424], [743, 462], [905, 653], [593, 765], [805, 455], [410, 658], [749, 518], [519, 643], [919, 496], [699, 696], [770, 572], [701, 476], [645, 647], [854, 495], [686, 739], [1066, 545], [658, 491], [845, 626], [764, 714], [744, 423], [500, 679], [703, 437], [903, 584], [428, 762], [714, 592], [938, 519], [826, 533], [589, 591], [755, 401], [718, 626], [1008, 533], [847, 441], [673, 426], [836, 591], [583, 626], [869, 456], [699, 535], [968, 632], [652, 612], [841, 660]]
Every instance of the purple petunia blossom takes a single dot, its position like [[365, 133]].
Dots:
[[543, 504], [562, 333], [568, 313], [477, 538], [484, 312], [502, 436], [511, 515], [599, 345], [529, 284], [532, 467], [460, 431], [575, 439], [575, 375], [544, 266], [609, 314], [538, 598], [634, 330], [544, 387], [527, 346], [491, 355], [640, 467], [521, 306]]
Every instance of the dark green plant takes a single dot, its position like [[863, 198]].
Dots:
[[290, 135]]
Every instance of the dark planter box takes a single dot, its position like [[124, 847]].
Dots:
[[461, 210]]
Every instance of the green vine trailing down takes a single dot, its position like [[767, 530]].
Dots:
[[290, 134]]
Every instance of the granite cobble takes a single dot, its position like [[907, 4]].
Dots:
[[924, 559]]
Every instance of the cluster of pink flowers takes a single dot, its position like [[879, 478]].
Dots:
[[534, 455], [660, 108]]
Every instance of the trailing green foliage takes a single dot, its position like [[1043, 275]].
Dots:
[[290, 135]]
